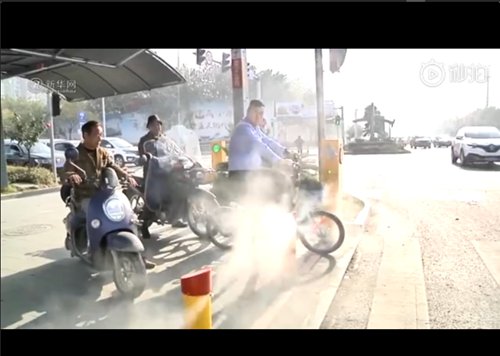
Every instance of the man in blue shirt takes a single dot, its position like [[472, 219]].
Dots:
[[250, 151]]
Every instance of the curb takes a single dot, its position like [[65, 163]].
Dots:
[[329, 294], [375, 153], [30, 193], [361, 219], [323, 306]]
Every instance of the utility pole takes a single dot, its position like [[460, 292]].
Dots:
[[103, 106], [342, 123], [320, 100], [5, 178], [240, 82], [178, 92], [487, 88], [52, 147]]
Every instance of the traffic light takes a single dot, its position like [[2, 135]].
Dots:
[[216, 148], [225, 64], [337, 57], [251, 72], [56, 101], [219, 153], [200, 56]]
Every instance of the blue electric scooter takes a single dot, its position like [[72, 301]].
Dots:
[[106, 239]]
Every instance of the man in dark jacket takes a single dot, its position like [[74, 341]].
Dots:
[[92, 158]]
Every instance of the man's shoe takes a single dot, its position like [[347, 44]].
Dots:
[[67, 243], [145, 233], [179, 224], [149, 265]]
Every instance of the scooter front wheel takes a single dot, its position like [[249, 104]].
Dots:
[[221, 228], [129, 273], [321, 232], [200, 206]]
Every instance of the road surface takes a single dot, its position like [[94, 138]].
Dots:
[[42, 287], [431, 255]]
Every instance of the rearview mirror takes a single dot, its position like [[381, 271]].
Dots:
[[71, 154]]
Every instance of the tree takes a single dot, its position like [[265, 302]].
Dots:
[[275, 86], [26, 130], [481, 117], [206, 85], [24, 109], [309, 97], [202, 85]]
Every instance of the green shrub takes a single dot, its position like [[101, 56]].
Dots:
[[39, 176]]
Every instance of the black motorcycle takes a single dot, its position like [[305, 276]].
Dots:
[[168, 170]]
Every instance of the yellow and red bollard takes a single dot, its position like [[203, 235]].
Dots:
[[330, 172], [197, 293]]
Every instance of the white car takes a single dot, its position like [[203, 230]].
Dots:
[[122, 151], [479, 144]]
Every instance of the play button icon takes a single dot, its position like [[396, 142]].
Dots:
[[432, 74]]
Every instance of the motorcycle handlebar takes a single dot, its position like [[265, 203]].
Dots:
[[80, 170]]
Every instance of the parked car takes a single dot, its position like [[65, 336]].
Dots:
[[17, 154], [400, 141], [476, 144], [122, 151], [61, 145]]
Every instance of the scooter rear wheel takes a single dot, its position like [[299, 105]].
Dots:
[[129, 273]]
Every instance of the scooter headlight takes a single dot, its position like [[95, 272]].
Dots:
[[114, 209]]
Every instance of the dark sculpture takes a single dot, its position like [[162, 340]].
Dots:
[[375, 124]]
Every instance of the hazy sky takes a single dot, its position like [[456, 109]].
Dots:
[[418, 87]]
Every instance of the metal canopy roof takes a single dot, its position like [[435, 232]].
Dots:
[[86, 74]]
